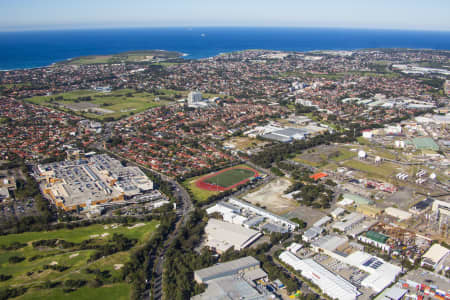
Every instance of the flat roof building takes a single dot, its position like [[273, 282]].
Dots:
[[434, 256], [348, 222], [262, 212], [221, 236], [331, 284], [233, 280], [94, 180], [225, 269]]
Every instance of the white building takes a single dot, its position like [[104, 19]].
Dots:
[[333, 285], [368, 134], [337, 212], [434, 256], [194, 97], [221, 236], [381, 273], [397, 213], [262, 212]]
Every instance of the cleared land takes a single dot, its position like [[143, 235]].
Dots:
[[99, 105], [381, 171], [271, 196], [322, 155], [33, 271], [143, 56], [244, 143]]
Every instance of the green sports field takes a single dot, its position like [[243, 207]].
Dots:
[[230, 177], [98, 105]]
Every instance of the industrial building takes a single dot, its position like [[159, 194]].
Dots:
[[78, 184], [397, 213], [369, 210], [434, 256], [311, 233], [375, 239], [381, 273], [348, 222], [233, 267], [289, 225], [287, 135], [233, 280], [393, 293], [221, 236], [441, 207], [331, 284]]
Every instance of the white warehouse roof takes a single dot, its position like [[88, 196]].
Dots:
[[381, 273], [331, 284], [397, 213], [436, 253], [223, 235]]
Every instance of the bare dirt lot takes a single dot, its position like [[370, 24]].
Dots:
[[270, 196]]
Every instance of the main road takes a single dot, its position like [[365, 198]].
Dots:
[[184, 207]]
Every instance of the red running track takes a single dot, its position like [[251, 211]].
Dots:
[[200, 183]]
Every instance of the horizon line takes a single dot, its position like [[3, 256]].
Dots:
[[44, 29]]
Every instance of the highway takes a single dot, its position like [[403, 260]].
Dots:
[[184, 207]]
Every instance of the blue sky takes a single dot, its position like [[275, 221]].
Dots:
[[386, 14]]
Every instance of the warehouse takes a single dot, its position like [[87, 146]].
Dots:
[[333, 285], [348, 222], [221, 236], [225, 269], [381, 273], [329, 243], [337, 212], [398, 213], [232, 280], [311, 233], [375, 239], [262, 212], [434, 256]]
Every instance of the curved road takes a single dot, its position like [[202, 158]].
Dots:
[[184, 207]]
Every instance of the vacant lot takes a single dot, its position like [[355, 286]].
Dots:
[[244, 143], [99, 105], [39, 264], [380, 171], [271, 196], [321, 155]]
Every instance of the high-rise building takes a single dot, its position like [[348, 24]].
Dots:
[[194, 97]]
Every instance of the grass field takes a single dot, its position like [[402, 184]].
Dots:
[[382, 171], [119, 291], [142, 56], [230, 177], [200, 195], [116, 104], [32, 273]]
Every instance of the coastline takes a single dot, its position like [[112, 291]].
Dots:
[[25, 50]]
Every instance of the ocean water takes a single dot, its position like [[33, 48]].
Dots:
[[32, 49]]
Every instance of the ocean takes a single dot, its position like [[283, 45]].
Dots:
[[30, 49]]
